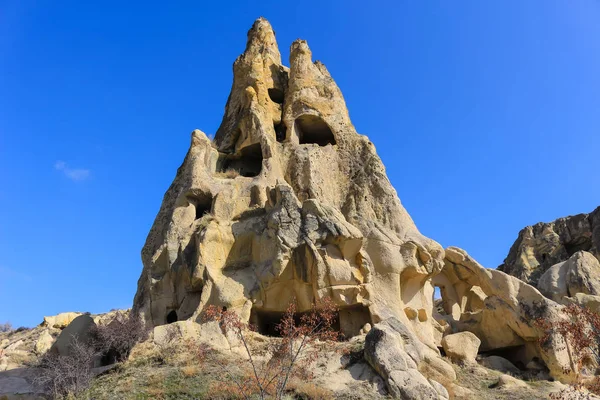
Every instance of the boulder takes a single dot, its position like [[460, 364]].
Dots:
[[579, 274], [79, 329], [43, 343], [398, 356], [462, 347]]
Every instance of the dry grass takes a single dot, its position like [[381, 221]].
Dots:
[[189, 370], [307, 390]]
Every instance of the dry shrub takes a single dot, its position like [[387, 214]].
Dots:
[[579, 335], [67, 375], [289, 357], [6, 327], [116, 339]]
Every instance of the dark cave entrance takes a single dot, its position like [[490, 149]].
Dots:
[[267, 322], [280, 131], [171, 317], [312, 129], [202, 204], [348, 321], [247, 163], [276, 95]]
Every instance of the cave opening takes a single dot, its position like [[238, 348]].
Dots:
[[348, 320], [276, 95], [312, 129], [171, 317], [202, 204], [280, 131], [247, 163], [267, 322]]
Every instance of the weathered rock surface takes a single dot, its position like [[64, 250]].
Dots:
[[288, 203], [462, 346], [78, 330], [579, 274], [61, 320], [543, 245]]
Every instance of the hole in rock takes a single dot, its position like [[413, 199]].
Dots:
[[280, 131], [312, 129], [247, 163], [202, 204], [172, 317], [439, 303], [276, 95]]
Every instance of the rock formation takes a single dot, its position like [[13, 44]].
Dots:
[[288, 203], [543, 245]]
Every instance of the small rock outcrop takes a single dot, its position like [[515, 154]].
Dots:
[[462, 347], [398, 356], [543, 245], [580, 274]]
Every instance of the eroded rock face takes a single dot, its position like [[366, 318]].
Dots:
[[288, 203], [543, 245], [501, 311]]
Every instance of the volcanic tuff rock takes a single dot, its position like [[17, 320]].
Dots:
[[288, 203], [543, 245]]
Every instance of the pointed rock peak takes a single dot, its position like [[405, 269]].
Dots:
[[261, 40]]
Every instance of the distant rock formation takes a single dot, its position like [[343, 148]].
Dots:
[[543, 245]]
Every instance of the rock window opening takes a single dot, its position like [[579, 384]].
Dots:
[[248, 162], [280, 131], [312, 129], [439, 305], [172, 317], [202, 204], [276, 95]]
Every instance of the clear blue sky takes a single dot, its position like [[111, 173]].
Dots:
[[485, 113]]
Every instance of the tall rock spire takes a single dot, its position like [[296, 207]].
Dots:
[[287, 203]]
